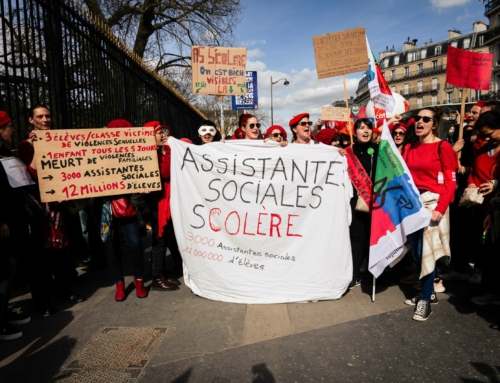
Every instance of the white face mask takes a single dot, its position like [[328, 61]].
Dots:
[[204, 129]]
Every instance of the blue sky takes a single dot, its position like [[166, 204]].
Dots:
[[278, 35]]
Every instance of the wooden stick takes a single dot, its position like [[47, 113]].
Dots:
[[462, 120], [347, 106]]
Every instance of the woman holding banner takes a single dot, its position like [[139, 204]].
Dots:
[[432, 164], [50, 267], [361, 160], [250, 127]]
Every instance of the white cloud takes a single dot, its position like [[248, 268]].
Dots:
[[254, 53], [464, 16], [442, 4], [249, 43]]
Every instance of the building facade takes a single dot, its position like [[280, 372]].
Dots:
[[418, 73], [492, 40]]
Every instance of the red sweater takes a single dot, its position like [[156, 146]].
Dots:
[[426, 162], [164, 212]]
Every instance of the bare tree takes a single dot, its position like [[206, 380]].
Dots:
[[163, 31]]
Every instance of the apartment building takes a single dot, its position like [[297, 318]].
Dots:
[[492, 40], [418, 73]]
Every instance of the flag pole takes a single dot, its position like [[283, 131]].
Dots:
[[347, 106], [462, 120]]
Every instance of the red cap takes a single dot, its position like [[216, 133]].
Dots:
[[295, 120], [397, 125], [325, 136], [273, 127], [480, 103], [4, 118], [186, 140], [119, 123]]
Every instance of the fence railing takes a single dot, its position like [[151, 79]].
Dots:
[[53, 52]]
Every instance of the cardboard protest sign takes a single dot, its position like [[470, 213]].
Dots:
[[336, 114], [262, 223], [467, 69], [83, 163], [218, 70], [341, 52]]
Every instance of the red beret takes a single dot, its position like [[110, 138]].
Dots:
[[4, 118], [273, 127], [480, 103], [160, 127], [186, 140], [325, 136], [397, 125], [119, 124], [296, 119], [152, 124]]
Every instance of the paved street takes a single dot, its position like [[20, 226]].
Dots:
[[179, 337]]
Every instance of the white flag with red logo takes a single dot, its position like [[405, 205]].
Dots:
[[380, 94]]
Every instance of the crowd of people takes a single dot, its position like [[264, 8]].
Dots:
[[442, 169]]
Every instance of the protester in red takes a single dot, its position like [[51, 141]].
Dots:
[[275, 133], [250, 126], [432, 164], [398, 131], [301, 129]]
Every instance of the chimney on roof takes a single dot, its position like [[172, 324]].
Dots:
[[453, 33]]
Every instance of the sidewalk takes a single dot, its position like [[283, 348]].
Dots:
[[179, 337]]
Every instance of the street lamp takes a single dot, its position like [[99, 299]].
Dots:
[[286, 82]]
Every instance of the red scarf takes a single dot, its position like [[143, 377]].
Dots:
[[358, 176]]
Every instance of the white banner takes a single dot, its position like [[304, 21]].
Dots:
[[258, 223]]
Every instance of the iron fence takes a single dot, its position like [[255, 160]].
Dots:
[[53, 52]]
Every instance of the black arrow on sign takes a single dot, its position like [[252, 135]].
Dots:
[[49, 177], [50, 192]]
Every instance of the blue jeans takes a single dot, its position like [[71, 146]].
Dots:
[[130, 231], [416, 240]]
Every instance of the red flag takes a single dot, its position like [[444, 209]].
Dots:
[[467, 69]]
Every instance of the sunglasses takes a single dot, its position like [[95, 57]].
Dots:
[[426, 119], [276, 135], [254, 125], [398, 133], [305, 123]]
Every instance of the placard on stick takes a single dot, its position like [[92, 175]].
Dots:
[[83, 163], [218, 70], [335, 114], [341, 52], [467, 69]]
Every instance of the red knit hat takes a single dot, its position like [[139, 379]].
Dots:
[[273, 127], [119, 123], [4, 118], [480, 103], [295, 120], [325, 136]]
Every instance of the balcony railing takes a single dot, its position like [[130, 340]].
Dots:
[[490, 5], [417, 73], [420, 89]]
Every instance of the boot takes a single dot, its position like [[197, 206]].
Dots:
[[140, 291], [120, 292], [162, 284]]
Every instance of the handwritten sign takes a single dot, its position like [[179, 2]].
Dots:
[[218, 70], [336, 114], [467, 69], [341, 52], [260, 218], [82, 163]]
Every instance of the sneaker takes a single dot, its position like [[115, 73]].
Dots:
[[475, 278], [17, 319], [486, 299], [355, 282], [410, 279], [422, 311], [438, 287], [413, 301], [454, 276], [7, 332]]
